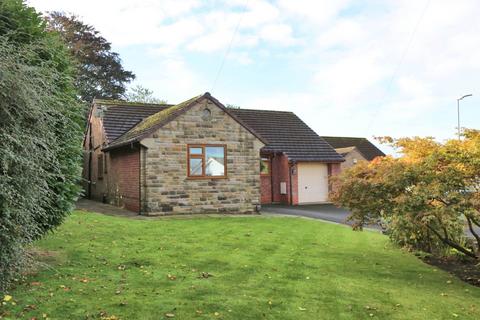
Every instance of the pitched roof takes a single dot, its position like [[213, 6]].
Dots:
[[365, 147], [120, 116], [345, 151], [155, 121], [285, 132], [281, 131]]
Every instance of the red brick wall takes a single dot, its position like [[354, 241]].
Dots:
[[98, 186], [295, 185], [124, 182], [333, 170], [265, 189], [281, 173]]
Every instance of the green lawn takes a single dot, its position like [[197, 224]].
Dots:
[[101, 267]]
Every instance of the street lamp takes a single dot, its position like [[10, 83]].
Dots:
[[458, 112]]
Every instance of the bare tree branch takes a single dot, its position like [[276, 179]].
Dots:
[[453, 244], [474, 233], [475, 222]]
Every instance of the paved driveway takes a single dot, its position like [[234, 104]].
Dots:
[[327, 212]]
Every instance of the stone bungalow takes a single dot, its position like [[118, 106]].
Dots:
[[200, 157]]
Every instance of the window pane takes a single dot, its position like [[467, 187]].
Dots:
[[215, 161], [195, 150], [195, 167]]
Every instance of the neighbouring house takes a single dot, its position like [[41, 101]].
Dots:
[[199, 157], [354, 150]]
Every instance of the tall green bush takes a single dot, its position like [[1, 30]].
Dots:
[[40, 134]]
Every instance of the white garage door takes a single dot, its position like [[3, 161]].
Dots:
[[312, 182]]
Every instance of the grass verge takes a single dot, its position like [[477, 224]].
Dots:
[[104, 267]]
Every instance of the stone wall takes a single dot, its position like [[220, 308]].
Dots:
[[166, 188], [351, 158]]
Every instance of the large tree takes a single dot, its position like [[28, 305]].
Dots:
[[100, 72], [40, 133], [426, 199]]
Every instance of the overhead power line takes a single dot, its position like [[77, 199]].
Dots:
[[227, 52], [399, 64]]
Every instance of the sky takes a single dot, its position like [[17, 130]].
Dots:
[[346, 67]]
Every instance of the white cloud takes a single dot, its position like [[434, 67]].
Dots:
[[128, 22], [369, 68], [278, 34], [172, 36], [173, 80], [314, 12]]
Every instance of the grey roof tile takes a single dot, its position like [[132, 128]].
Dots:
[[366, 148], [285, 132], [118, 118]]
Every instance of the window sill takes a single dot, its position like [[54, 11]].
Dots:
[[207, 178]]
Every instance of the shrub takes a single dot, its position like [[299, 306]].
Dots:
[[426, 198], [40, 136]]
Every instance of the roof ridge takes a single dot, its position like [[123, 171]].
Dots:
[[248, 109], [342, 137], [157, 117], [119, 103]]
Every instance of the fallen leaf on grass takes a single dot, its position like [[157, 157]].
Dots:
[[302, 309], [29, 307], [206, 275], [170, 315]]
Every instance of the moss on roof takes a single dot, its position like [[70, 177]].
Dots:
[[126, 103], [158, 117], [151, 122]]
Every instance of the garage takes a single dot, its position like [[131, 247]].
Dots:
[[312, 182]]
